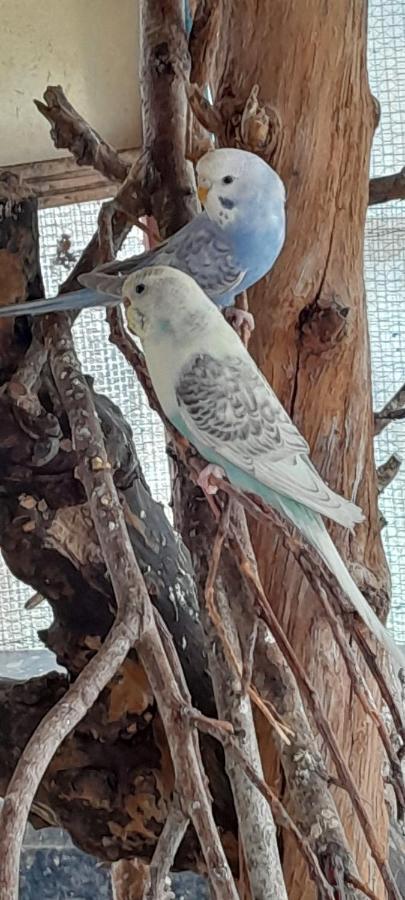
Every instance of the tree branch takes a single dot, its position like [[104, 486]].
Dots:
[[256, 826], [394, 409], [70, 131], [169, 841], [388, 471], [280, 813], [386, 188]]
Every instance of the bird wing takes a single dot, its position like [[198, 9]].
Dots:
[[200, 249], [229, 407]]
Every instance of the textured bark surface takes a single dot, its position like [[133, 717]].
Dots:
[[311, 332], [20, 273]]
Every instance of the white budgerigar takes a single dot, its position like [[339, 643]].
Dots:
[[214, 394]]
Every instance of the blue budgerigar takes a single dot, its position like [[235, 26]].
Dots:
[[214, 394], [226, 248]]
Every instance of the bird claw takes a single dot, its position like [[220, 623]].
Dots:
[[204, 477], [239, 318]]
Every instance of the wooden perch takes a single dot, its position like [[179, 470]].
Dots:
[[388, 471], [70, 131], [394, 409], [386, 188], [256, 826]]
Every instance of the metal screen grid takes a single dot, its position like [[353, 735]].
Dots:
[[385, 274]]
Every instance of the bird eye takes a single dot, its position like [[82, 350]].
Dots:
[[139, 288], [227, 179]]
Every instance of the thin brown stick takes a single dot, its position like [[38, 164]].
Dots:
[[248, 658], [393, 409], [376, 670], [344, 774], [364, 695], [386, 188], [279, 811], [169, 842], [209, 593], [70, 131], [257, 833], [388, 471]]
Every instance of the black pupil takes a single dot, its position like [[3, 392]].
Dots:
[[140, 288], [228, 179]]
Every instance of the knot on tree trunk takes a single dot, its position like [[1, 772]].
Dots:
[[323, 323]]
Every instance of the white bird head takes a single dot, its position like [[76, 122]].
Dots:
[[159, 300], [230, 180]]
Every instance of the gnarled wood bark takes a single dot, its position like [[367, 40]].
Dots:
[[311, 331]]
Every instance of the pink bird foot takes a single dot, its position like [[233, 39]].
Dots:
[[241, 320], [204, 477]]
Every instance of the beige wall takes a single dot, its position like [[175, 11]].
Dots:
[[87, 46]]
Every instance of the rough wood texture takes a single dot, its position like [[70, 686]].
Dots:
[[20, 274], [387, 187], [310, 338], [48, 541], [59, 181]]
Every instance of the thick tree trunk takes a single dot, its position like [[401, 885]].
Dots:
[[311, 330]]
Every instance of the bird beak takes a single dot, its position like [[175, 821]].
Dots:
[[202, 192]]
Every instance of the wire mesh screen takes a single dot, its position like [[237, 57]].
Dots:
[[65, 230], [385, 274]]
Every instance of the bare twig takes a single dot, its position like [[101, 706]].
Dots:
[[387, 187], [248, 653], [344, 774], [217, 619], [376, 671], [279, 811], [206, 114], [69, 130], [363, 693], [388, 471], [360, 886], [256, 826], [394, 409], [36, 421], [169, 841], [56, 725]]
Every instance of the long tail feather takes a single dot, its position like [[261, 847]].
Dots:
[[314, 530], [75, 300]]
